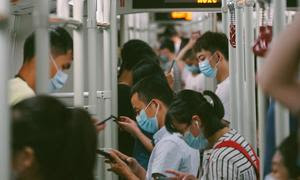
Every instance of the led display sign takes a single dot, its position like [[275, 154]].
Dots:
[[167, 4]]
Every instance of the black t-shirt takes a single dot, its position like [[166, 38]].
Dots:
[[126, 141]]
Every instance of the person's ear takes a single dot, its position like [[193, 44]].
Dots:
[[23, 159], [220, 56], [196, 119]]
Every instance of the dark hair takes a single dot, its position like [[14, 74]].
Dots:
[[64, 140], [189, 55], [146, 68], [60, 42], [170, 32], [153, 88], [289, 150], [188, 103], [167, 44], [212, 41], [134, 51]]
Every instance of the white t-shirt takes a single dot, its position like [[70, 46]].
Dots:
[[223, 92], [19, 90], [196, 83], [172, 152]]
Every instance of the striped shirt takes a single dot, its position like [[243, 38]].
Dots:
[[227, 162]]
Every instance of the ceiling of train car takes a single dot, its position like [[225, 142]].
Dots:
[[22, 7]]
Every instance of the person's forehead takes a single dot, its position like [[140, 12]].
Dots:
[[136, 102], [203, 53]]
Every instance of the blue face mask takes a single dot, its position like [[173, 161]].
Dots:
[[59, 79], [148, 124], [207, 70], [193, 69], [199, 143], [163, 59]]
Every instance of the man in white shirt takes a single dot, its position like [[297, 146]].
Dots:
[[150, 99], [212, 53], [60, 59]]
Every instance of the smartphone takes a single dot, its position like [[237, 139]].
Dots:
[[171, 67], [107, 119], [105, 154]]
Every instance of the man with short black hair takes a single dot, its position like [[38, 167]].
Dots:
[[151, 98], [60, 59], [212, 53], [132, 53]]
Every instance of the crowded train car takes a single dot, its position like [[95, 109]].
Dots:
[[149, 90]]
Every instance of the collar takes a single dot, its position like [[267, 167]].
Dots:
[[160, 134]]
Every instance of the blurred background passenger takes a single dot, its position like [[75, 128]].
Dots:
[[60, 59], [284, 163], [167, 56], [50, 141]]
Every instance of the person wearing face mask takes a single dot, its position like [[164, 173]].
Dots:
[[194, 78], [150, 99], [60, 59], [167, 56], [212, 53], [197, 117]]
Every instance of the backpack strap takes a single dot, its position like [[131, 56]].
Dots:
[[235, 145]]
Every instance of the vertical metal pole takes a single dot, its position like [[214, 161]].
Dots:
[[224, 16], [240, 66], [281, 113], [137, 26], [114, 69], [261, 106], [261, 103], [100, 169], [124, 29], [250, 124], [92, 55], [78, 55], [4, 107], [108, 140], [62, 8], [233, 82], [131, 26], [100, 11], [41, 12]]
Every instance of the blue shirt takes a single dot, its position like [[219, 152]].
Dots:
[[140, 153]]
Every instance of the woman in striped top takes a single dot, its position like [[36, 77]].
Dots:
[[198, 117]]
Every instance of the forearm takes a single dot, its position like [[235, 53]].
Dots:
[[278, 76], [181, 54], [145, 141]]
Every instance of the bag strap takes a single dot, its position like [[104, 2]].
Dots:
[[235, 145]]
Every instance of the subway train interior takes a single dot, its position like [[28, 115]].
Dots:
[[139, 89]]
